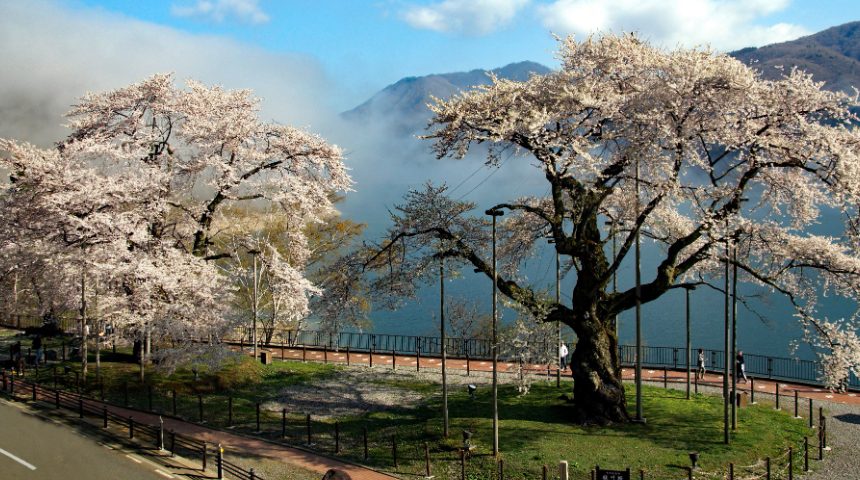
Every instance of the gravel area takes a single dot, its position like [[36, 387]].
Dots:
[[358, 390]]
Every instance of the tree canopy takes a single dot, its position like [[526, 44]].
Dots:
[[136, 197], [687, 147]]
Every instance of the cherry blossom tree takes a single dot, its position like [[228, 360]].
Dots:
[[136, 192], [686, 147]]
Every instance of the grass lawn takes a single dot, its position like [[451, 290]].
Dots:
[[534, 430]]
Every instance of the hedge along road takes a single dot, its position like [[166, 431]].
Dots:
[[35, 447]]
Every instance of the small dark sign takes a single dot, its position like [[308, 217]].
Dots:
[[613, 474]]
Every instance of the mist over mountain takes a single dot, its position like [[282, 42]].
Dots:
[[407, 99]]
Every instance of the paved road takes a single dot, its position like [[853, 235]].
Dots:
[[35, 447]]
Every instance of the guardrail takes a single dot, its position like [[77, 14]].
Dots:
[[88, 407], [778, 368]]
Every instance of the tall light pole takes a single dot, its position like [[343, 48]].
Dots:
[[639, 418], [611, 225], [444, 345], [495, 213], [557, 302], [688, 288], [726, 346], [734, 337], [254, 254]]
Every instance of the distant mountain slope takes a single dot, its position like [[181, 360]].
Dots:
[[407, 99], [831, 56]]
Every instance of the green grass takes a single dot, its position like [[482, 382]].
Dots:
[[534, 430]]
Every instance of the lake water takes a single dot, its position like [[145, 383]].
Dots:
[[769, 331]]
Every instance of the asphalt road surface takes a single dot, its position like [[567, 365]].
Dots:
[[36, 447]]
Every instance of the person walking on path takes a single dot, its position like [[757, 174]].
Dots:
[[37, 348], [562, 356], [700, 364], [739, 362]]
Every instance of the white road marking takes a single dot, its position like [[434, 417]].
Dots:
[[164, 474], [133, 459], [13, 457]]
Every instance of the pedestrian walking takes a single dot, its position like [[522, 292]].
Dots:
[[700, 364], [739, 362], [562, 356], [37, 348]]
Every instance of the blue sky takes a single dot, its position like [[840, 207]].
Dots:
[[369, 44]]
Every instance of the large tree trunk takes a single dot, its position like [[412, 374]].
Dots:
[[598, 394]]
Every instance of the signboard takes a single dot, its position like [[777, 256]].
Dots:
[[613, 474]]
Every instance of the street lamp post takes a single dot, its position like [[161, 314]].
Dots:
[[495, 213], [254, 254], [734, 338], [639, 417], [444, 345], [688, 288], [726, 346]]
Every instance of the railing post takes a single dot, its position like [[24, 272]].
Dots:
[[80, 406], [160, 434], [790, 463], [304, 353], [393, 360], [418, 361], [131, 427], [220, 462], [767, 467], [795, 404], [172, 443], [810, 413], [805, 454], [203, 453], [427, 458], [347, 355], [252, 475], [752, 390], [57, 398], [325, 354], [777, 395]]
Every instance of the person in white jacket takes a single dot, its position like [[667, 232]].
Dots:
[[562, 356]]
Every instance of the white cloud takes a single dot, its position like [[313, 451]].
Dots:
[[467, 17], [724, 24], [220, 10], [52, 55]]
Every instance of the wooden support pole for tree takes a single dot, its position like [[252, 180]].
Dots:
[[427, 458]]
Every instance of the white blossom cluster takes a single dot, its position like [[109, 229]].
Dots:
[[128, 213], [688, 148]]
